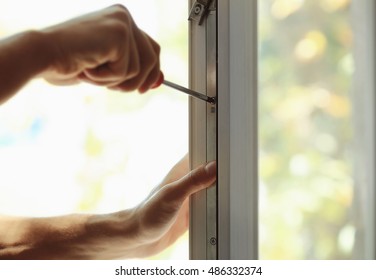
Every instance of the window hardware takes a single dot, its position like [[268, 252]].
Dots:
[[199, 10]]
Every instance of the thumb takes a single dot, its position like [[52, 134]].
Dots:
[[108, 73], [101, 75], [200, 178]]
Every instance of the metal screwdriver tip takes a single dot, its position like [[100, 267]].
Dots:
[[190, 92]]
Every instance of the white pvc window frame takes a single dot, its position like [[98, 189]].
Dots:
[[237, 130], [203, 134], [364, 104], [235, 76]]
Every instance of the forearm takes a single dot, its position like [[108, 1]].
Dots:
[[70, 237], [22, 57]]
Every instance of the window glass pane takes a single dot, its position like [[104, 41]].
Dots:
[[306, 172], [84, 148]]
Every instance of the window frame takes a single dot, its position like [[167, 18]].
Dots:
[[237, 129], [203, 134], [364, 104], [236, 221]]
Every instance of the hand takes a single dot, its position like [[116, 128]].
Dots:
[[164, 216], [140, 232], [104, 48]]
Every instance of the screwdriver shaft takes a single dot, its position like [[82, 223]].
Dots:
[[193, 93]]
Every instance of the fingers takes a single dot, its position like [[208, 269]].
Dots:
[[159, 81], [163, 217], [127, 64], [198, 179], [104, 48], [136, 67], [155, 74], [178, 171], [148, 65], [115, 71]]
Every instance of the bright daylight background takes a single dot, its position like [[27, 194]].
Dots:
[[84, 148], [306, 173]]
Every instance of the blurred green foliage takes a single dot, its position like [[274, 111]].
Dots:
[[305, 131]]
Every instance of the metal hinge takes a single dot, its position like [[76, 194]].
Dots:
[[200, 9]]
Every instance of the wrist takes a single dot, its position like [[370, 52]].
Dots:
[[23, 57], [114, 235], [40, 48]]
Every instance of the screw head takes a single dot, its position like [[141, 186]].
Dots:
[[213, 241]]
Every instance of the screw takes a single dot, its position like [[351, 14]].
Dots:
[[213, 241], [197, 9]]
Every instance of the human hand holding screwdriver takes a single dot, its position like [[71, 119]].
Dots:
[[105, 48]]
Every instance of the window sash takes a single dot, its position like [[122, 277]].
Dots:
[[237, 184], [203, 135], [237, 130], [364, 104]]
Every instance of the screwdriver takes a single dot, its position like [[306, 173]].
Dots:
[[193, 93], [188, 91]]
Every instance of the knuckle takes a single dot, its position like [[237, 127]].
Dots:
[[120, 12], [154, 75], [120, 8], [157, 48], [120, 29], [151, 61], [135, 70]]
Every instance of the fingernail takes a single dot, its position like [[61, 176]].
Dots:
[[211, 168]]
